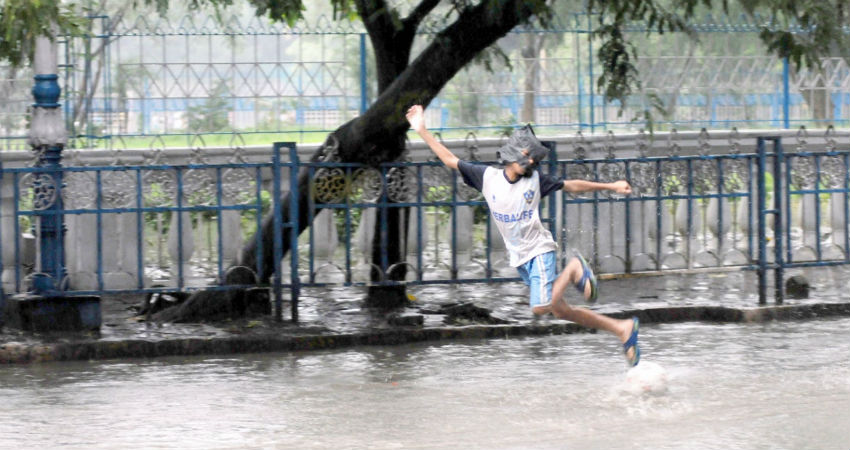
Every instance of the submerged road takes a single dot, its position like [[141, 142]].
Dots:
[[776, 385]]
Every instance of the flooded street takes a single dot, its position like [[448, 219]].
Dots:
[[779, 385]]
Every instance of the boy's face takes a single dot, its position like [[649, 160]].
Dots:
[[526, 165]]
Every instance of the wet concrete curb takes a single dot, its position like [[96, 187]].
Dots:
[[93, 349]]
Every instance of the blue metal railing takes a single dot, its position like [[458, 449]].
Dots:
[[384, 202], [656, 229], [705, 187], [776, 211], [655, 194], [185, 210]]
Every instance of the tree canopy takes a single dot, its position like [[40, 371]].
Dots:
[[802, 31], [22, 21]]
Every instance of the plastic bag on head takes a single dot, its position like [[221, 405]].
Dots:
[[523, 139]]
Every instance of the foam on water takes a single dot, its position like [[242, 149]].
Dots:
[[646, 378]]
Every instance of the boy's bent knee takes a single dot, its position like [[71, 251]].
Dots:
[[561, 309]]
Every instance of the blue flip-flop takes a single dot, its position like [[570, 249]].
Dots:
[[632, 342], [587, 276]]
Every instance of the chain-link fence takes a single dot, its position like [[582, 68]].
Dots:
[[133, 80]]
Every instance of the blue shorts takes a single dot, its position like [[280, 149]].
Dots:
[[539, 274]]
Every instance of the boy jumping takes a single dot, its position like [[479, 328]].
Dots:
[[513, 195]]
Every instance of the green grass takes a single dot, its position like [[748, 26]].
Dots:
[[222, 139], [301, 135]]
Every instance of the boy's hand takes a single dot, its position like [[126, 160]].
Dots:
[[416, 118], [621, 187]]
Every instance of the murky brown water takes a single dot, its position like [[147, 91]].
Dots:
[[783, 385]]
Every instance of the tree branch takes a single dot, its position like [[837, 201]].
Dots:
[[474, 30], [420, 12], [374, 12], [81, 106], [391, 40]]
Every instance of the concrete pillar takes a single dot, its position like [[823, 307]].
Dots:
[[362, 256], [713, 232], [747, 213], [326, 238], [232, 239], [807, 212], [645, 234], [464, 228], [683, 227], [837, 205], [181, 246], [7, 225], [120, 233], [414, 245], [81, 251], [325, 243], [580, 230], [611, 237], [735, 248], [499, 259], [676, 256]]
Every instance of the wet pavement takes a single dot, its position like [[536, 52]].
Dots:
[[335, 317]]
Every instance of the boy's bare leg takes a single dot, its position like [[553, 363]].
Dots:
[[621, 328]]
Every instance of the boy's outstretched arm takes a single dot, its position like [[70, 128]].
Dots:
[[576, 186], [416, 117]]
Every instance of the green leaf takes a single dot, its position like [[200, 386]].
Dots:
[[22, 21]]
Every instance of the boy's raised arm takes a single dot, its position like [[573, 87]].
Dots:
[[416, 117]]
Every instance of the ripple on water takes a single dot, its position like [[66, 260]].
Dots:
[[728, 386]]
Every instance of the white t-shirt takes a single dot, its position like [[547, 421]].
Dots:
[[514, 208]]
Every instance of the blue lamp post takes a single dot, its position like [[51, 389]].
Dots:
[[48, 138], [48, 307]]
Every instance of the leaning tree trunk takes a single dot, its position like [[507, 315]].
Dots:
[[383, 148], [378, 135]]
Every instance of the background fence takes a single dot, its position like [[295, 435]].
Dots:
[[137, 78]]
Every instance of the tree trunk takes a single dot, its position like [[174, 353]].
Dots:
[[531, 58]]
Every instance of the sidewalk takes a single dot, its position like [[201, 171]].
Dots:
[[333, 318]]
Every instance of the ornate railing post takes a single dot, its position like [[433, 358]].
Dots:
[[46, 307], [47, 138]]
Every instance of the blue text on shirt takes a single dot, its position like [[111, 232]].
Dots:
[[507, 218]]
